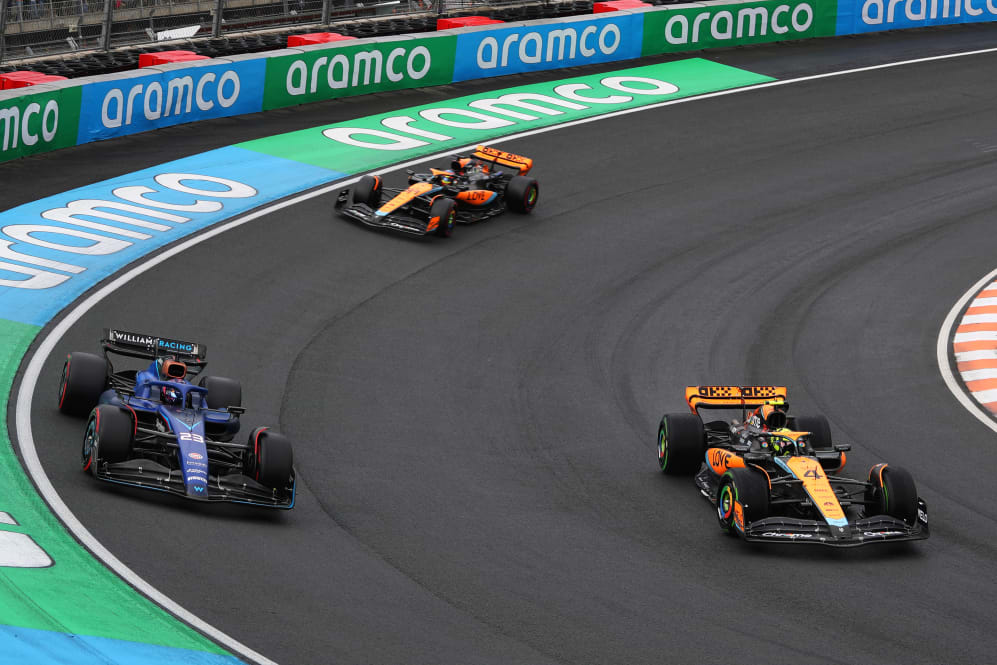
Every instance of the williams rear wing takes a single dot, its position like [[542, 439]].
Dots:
[[138, 345], [733, 397], [500, 158]]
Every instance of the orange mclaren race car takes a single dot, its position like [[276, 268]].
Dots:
[[475, 187], [772, 477]]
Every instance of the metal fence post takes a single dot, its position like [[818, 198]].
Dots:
[[326, 11], [105, 30], [216, 23], [3, 27]]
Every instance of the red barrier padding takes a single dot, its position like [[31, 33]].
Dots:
[[464, 21], [617, 5], [164, 57], [23, 79], [316, 38]]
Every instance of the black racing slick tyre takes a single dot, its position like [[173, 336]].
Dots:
[[681, 444], [445, 211], [820, 439], [222, 392], [819, 428], [368, 190], [270, 460], [108, 437], [521, 193], [745, 487], [893, 493], [84, 378]]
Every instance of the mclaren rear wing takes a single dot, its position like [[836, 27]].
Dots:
[[500, 158], [732, 397]]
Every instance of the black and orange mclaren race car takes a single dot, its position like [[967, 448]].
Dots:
[[484, 184], [772, 477]]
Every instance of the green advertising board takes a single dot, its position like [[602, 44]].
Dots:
[[344, 69], [31, 123], [720, 24], [391, 138]]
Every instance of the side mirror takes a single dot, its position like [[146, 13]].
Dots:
[[842, 447]]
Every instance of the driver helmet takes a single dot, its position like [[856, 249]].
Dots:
[[170, 395], [782, 446], [446, 179]]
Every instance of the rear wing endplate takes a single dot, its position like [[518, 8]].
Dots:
[[138, 345], [501, 158], [732, 397]]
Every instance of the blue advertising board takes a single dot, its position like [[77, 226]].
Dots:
[[500, 51], [163, 98], [856, 16]]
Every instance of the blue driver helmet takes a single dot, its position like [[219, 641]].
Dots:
[[170, 395]]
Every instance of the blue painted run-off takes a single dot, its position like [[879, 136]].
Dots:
[[27, 646], [53, 250]]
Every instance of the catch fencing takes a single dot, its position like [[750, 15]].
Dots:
[[40, 28]]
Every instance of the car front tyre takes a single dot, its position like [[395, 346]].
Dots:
[[445, 210]]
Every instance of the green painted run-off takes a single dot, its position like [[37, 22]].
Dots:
[[475, 118], [77, 594]]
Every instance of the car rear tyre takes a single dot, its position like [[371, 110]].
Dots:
[[222, 392], [108, 437], [820, 439], [368, 190], [893, 493], [681, 444], [819, 428], [521, 193], [270, 461], [84, 378], [747, 487], [446, 210]]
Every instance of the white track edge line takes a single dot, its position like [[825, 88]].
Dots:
[[30, 379]]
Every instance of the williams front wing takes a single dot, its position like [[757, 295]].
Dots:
[[231, 488]]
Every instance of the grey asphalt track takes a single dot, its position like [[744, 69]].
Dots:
[[474, 419]]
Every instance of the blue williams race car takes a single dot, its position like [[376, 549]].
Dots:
[[152, 428]]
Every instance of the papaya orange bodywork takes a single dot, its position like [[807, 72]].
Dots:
[[733, 397], [721, 460], [418, 189], [475, 196], [810, 473], [522, 164]]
